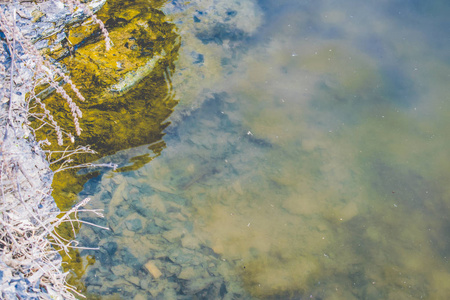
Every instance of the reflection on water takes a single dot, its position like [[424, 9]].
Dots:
[[316, 169]]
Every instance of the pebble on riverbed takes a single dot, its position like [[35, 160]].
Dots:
[[153, 269]]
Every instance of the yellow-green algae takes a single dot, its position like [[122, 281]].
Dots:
[[127, 90]]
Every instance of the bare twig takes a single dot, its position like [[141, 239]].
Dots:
[[12, 51]]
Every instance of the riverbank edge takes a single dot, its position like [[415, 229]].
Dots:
[[30, 268]]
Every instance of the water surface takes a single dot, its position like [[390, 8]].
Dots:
[[308, 159]]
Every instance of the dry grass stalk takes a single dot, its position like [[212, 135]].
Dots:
[[29, 238], [76, 3], [44, 71]]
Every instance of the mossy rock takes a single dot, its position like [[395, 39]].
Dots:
[[127, 89]]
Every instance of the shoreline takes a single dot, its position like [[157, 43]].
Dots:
[[30, 266]]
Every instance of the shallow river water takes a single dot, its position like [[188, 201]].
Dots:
[[308, 158]]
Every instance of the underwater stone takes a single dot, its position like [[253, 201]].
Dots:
[[151, 228], [156, 203], [120, 270], [140, 297], [129, 259], [160, 223], [110, 248], [113, 221], [153, 269], [170, 294], [189, 273], [133, 190], [144, 283], [121, 211], [134, 181], [118, 179], [134, 225], [140, 208], [112, 277], [92, 280], [117, 197], [177, 216], [188, 241], [172, 269], [104, 258], [173, 235], [156, 290], [195, 286], [133, 279], [185, 256]]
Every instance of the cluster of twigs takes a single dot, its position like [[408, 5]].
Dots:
[[29, 238]]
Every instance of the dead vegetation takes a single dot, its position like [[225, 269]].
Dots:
[[30, 262]]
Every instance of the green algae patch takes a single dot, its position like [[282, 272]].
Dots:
[[128, 95]]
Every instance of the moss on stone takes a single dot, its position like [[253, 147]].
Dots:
[[127, 90]]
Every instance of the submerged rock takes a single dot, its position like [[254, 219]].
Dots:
[[134, 224], [151, 267], [201, 284], [170, 262]]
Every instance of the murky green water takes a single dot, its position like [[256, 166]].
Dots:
[[308, 158]]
